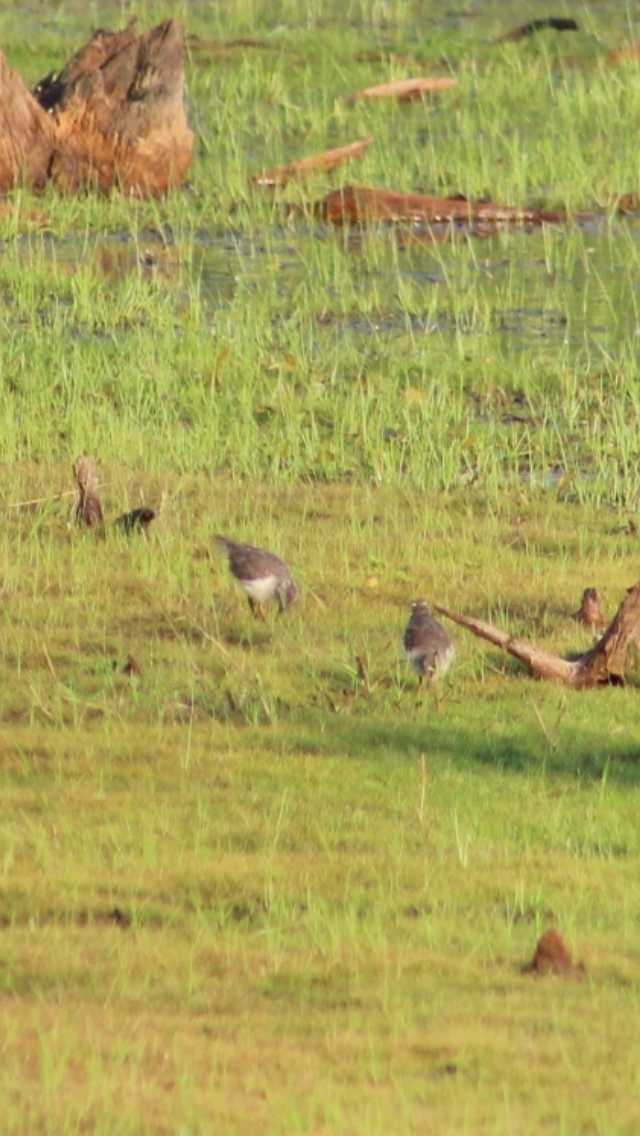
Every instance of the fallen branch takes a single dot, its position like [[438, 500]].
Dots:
[[603, 664], [357, 206], [318, 163], [404, 90]]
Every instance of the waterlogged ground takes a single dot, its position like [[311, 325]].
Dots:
[[518, 348], [262, 883]]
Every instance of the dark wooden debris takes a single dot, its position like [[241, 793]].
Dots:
[[137, 521], [553, 957], [523, 31]]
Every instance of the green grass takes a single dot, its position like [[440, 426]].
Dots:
[[255, 889], [327, 891]]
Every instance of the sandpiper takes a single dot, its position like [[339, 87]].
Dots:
[[427, 646], [261, 575], [88, 508]]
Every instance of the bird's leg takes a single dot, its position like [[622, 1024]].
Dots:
[[257, 609]]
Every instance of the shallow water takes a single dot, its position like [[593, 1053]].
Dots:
[[583, 298]]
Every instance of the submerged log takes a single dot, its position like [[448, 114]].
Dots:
[[113, 117], [603, 664], [359, 206]]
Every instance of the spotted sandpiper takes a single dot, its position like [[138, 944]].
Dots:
[[427, 646], [261, 575], [88, 508]]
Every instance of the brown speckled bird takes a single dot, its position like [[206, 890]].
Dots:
[[88, 509], [261, 575], [427, 646]]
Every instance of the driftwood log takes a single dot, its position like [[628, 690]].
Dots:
[[355, 205], [113, 117], [603, 664]]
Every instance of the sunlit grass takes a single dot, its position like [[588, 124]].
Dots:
[[266, 884]]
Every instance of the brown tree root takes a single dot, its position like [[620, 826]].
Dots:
[[603, 664]]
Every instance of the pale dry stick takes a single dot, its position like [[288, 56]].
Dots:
[[280, 818], [423, 789], [362, 674], [314, 596], [220, 647], [210, 638], [49, 663], [41, 500], [47, 713], [462, 845], [329, 160], [265, 706], [552, 744], [186, 761], [174, 627], [64, 691]]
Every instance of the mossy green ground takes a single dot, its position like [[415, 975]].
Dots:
[[262, 886]]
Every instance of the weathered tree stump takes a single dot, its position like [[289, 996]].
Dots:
[[114, 117], [603, 664], [27, 134]]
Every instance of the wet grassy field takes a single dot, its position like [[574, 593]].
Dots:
[[265, 883]]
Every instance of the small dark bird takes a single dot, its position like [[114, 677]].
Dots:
[[261, 575], [590, 613], [88, 509], [427, 646], [137, 521]]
